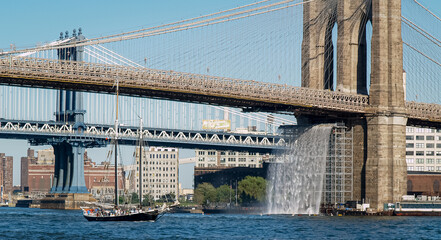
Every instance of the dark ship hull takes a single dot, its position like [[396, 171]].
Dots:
[[145, 216]]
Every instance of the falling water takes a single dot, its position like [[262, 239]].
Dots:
[[296, 178]]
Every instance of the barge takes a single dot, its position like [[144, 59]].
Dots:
[[419, 206]]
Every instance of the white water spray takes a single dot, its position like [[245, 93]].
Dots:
[[296, 178]]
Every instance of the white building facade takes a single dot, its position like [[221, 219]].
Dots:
[[423, 149], [160, 171], [213, 158]]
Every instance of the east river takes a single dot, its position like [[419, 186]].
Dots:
[[25, 223]]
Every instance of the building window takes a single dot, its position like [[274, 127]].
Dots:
[[410, 168], [430, 145], [420, 130], [430, 138], [430, 168], [430, 153], [409, 153], [420, 160], [410, 145], [438, 168], [420, 168], [419, 153], [430, 161], [419, 145], [410, 160], [438, 145], [409, 129], [408, 137], [419, 138]]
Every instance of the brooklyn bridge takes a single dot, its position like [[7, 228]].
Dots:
[[372, 65]]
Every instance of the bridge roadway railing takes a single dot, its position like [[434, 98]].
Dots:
[[130, 135], [93, 74], [424, 111]]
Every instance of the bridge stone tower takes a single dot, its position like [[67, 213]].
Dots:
[[379, 136]]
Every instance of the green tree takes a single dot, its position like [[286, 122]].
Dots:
[[224, 193], [205, 194], [147, 200], [120, 199], [252, 189], [135, 198]]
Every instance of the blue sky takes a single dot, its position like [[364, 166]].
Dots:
[[25, 23]]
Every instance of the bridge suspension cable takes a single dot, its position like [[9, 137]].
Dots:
[[174, 27], [431, 13], [118, 59]]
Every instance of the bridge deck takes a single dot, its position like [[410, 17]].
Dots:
[[192, 88], [44, 133]]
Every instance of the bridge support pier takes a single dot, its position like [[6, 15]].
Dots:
[[359, 145], [386, 171], [69, 168]]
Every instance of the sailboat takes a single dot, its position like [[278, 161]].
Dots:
[[115, 213]]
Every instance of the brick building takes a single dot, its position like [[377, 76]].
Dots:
[[423, 183], [6, 173], [37, 174]]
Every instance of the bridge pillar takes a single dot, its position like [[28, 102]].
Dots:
[[317, 48], [359, 150], [379, 138], [351, 46], [69, 168], [386, 166], [69, 155], [386, 124]]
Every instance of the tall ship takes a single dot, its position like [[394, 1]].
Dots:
[[101, 212]]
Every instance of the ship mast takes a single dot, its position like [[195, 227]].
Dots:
[[116, 145], [140, 164]]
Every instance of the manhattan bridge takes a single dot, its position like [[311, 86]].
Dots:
[[370, 65]]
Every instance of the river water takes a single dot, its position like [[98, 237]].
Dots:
[[27, 223]]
